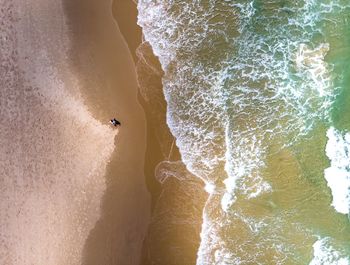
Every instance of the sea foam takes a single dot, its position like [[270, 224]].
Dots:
[[239, 77], [325, 254], [312, 60], [338, 174]]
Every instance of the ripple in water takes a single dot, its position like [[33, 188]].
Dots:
[[249, 87]]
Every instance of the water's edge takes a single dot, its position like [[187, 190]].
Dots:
[[172, 187]]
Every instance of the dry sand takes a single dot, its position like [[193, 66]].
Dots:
[[58, 91], [72, 187]]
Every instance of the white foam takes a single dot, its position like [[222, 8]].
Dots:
[[244, 160], [324, 254], [210, 187], [312, 60], [256, 58], [247, 11], [338, 174], [227, 200], [224, 257], [259, 187]]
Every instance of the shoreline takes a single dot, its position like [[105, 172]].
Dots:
[[155, 152], [178, 197], [100, 55], [84, 192]]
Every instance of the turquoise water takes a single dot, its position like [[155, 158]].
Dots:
[[258, 100]]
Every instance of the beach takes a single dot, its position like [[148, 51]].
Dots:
[[234, 139], [73, 187]]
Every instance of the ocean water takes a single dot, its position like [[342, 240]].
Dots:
[[258, 100]]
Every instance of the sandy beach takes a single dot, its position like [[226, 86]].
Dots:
[[118, 235], [178, 196], [72, 187]]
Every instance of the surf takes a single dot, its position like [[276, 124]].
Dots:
[[245, 94]]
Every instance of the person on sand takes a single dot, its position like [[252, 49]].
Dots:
[[115, 122]]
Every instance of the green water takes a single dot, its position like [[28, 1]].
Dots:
[[339, 57], [259, 102]]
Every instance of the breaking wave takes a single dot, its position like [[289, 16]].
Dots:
[[244, 81], [338, 174], [324, 253]]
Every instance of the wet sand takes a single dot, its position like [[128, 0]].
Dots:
[[125, 14], [73, 188], [65, 198], [99, 48], [178, 197]]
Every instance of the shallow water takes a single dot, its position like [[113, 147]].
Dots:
[[257, 95]]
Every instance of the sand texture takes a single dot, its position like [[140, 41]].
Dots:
[[65, 175]]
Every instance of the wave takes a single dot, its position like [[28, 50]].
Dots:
[[213, 101], [324, 253], [242, 78], [338, 174]]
